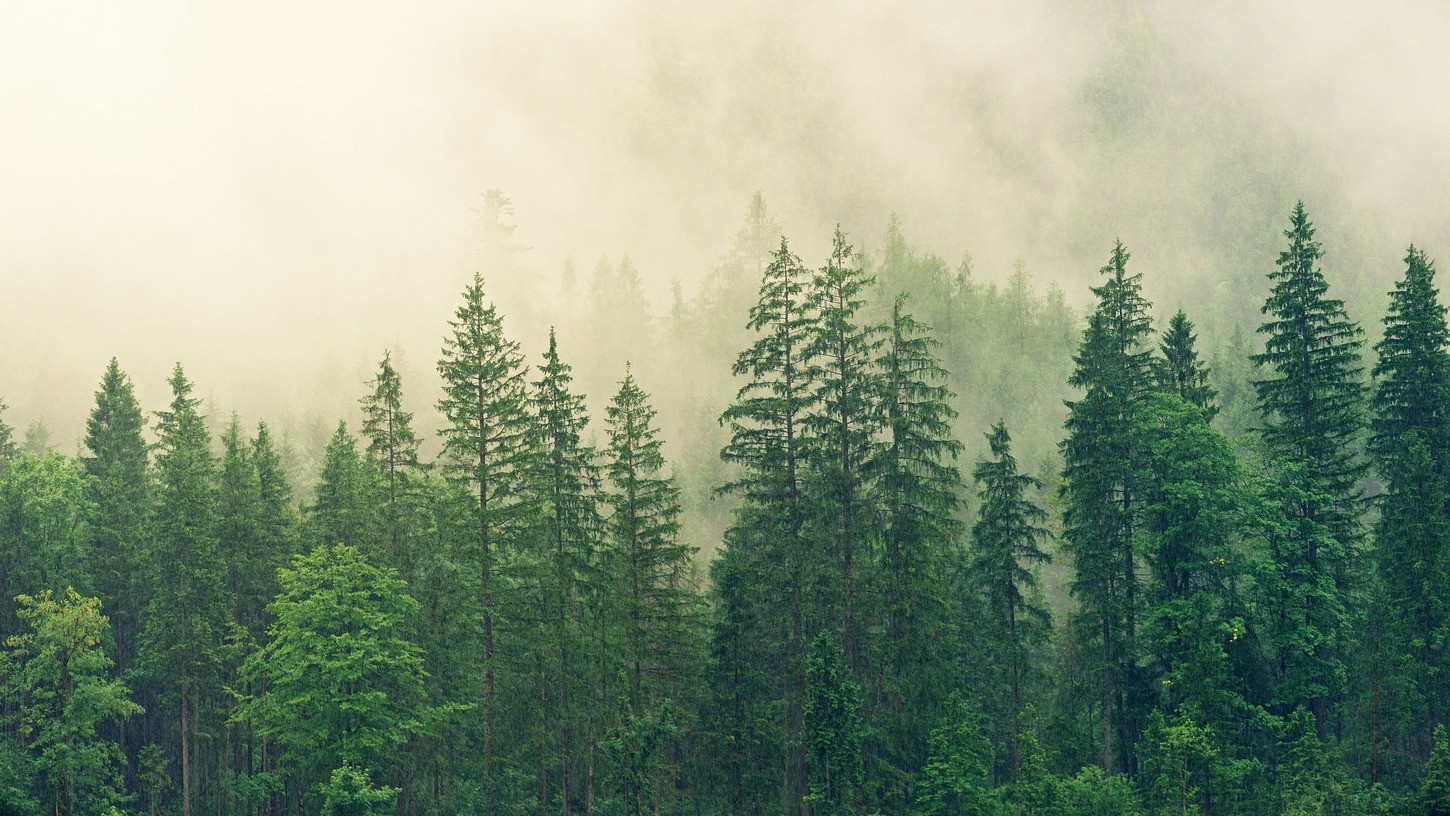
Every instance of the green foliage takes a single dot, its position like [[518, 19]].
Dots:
[[57, 676], [834, 729], [1434, 797], [349, 792], [1006, 547], [392, 451], [957, 776], [1180, 371], [42, 543], [118, 485], [1103, 481], [1090, 793], [341, 680], [1311, 779]]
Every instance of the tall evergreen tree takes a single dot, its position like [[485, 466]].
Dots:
[[917, 486], [843, 423], [648, 566], [1313, 406], [185, 616], [767, 442], [487, 449], [570, 484], [1180, 371], [344, 508], [392, 449], [1006, 546], [119, 488], [1102, 469], [1410, 435]]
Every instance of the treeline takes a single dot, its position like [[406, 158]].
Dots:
[[1254, 623]]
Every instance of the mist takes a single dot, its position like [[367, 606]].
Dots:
[[274, 193]]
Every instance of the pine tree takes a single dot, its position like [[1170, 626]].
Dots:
[[834, 729], [1313, 406], [648, 567], [916, 486], [392, 450], [344, 510], [843, 423], [569, 484], [644, 555], [119, 487], [1435, 789], [8, 448], [766, 423], [1410, 436], [1005, 548], [1180, 371], [1102, 469], [185, 615], [487, 449]]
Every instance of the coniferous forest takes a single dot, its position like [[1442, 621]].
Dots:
[[904, 542]]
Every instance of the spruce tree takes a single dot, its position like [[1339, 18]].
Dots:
[[392, 450], [344, 508], [1102, 469], [647, 567], [1006, 546], [1312, 401], [185, 616], [843, 423], [1180, 371], [768, 443], [487, 450], [1410, 434], [916, 486], [119, 488], [569, 484]]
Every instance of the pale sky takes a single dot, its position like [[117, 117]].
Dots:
[[274, 192]]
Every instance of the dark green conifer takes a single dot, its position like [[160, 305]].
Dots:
[[1006, 547], [1312, 401], [1180, 371], [1103, 472]]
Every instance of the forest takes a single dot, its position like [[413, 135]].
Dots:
[[905, 542]]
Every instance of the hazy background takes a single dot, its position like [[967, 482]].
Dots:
[[274, 192]]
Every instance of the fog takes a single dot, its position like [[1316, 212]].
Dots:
[[273, 193]]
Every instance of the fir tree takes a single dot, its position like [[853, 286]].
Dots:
[[392, 450], [843, 424], [185, 616], [119, 487], [1102, 469], [916, 486], [1006, 547], [1313, 406], [487, 449], [569, 486], [767, 441], [1180, 371], [344, 510], [644, 558], [1410, 434]]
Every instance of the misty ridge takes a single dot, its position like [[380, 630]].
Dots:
[[633, 408]]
